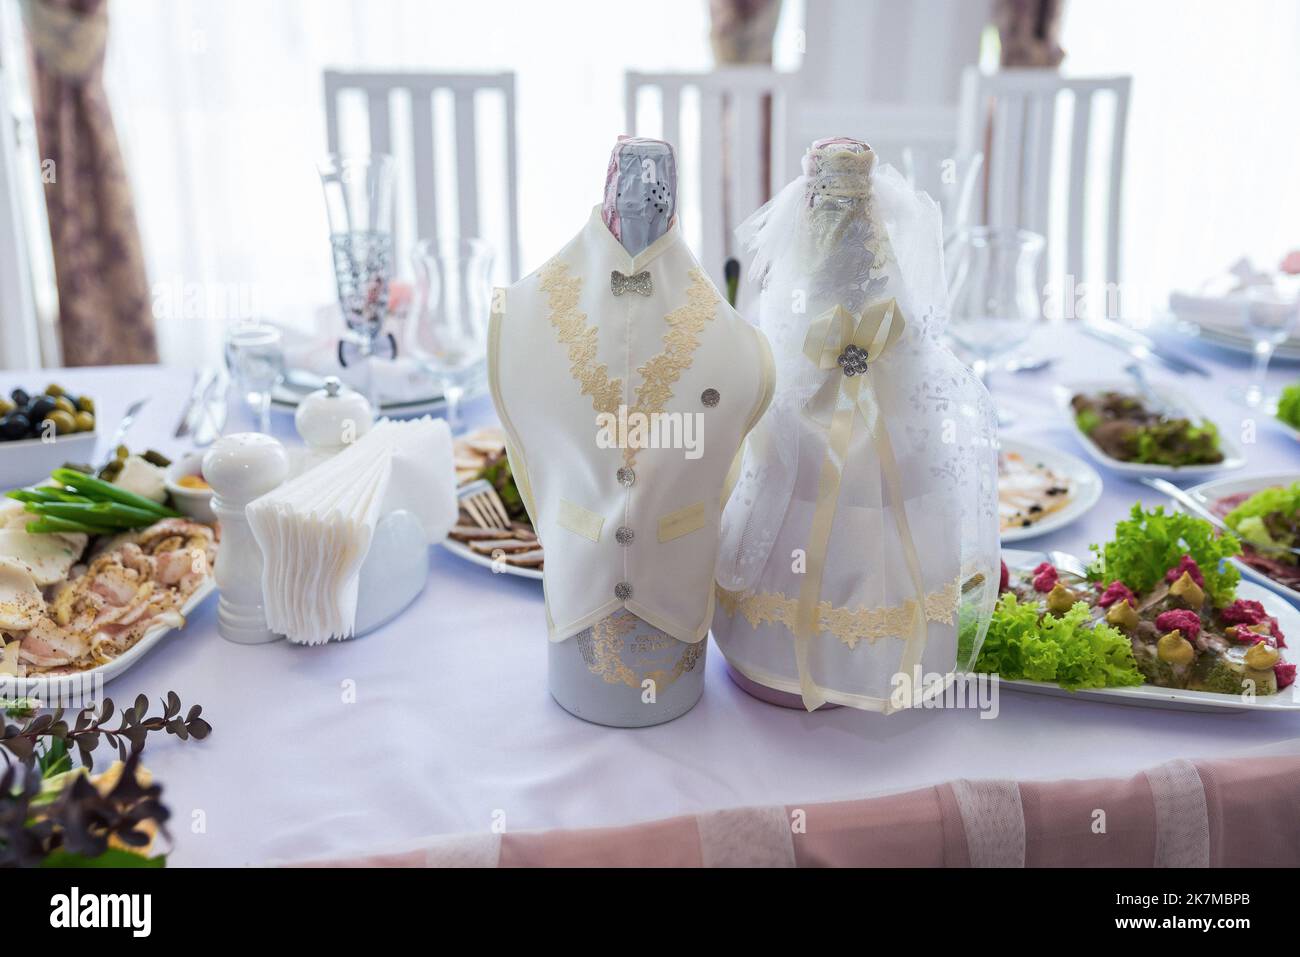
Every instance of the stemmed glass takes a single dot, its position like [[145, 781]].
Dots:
[[359, 202], [1270, 317], [993, 301], [447, 333], [255, 358]]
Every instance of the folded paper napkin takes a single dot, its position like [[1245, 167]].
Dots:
[[315, 530], [1221, 303]]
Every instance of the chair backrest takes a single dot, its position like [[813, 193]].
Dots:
[[463, 95], [720, 186], [1034, 127], [885, 52]]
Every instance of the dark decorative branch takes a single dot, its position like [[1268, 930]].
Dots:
[[89, 729]]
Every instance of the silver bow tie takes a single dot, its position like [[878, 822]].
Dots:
[[639, 283]]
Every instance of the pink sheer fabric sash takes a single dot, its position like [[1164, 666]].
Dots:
[[1217, 813]]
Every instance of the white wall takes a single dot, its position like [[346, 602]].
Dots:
[[1213, 135]]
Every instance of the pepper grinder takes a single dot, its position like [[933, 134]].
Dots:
[[240, 468], [329, 420]]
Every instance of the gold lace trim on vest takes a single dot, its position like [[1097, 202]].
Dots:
[[603, 648], [562, 291], [849, 625], [658, 373]]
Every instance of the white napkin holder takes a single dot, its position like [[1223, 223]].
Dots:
[[395, 568], [394, 572]]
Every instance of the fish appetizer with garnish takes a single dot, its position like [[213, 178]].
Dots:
[[1158, 605], [1028, 491], [88, 567]]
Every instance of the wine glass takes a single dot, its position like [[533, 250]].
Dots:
[[993, 300], [1270, 315], [255, 358], [447, 332], [359, 203]]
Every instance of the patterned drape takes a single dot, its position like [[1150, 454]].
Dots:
[[104, 303], [1030, 32], [742, 31]]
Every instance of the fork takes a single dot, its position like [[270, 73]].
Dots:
[[1068, 563], [484, 505]]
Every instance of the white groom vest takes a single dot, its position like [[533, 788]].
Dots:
[[573, 364]]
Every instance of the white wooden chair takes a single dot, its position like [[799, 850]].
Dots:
[[1036, 127], [412, 141], [20, 243], [729, 103]]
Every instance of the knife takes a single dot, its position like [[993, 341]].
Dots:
[[1139, 346], [189, 417], [1189, 502]]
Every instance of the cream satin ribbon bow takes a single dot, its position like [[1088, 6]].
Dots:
[[846, 398]]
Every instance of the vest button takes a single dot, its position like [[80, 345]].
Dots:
[[624, 535], [623, 591], [626, 477]]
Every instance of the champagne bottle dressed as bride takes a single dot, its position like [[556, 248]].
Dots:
[[860, 544]]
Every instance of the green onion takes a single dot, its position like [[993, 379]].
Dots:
[[46, 494], [95, 488], [49, 524], [111, 514]]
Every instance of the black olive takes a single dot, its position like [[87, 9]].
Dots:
[[14, 426], [20, 397], [39, 407]]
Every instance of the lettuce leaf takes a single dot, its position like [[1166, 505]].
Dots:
[[1067, 649], [1281, 498], [1288, 406], [1149, 543]]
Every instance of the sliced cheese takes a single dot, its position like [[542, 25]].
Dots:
[[9, 659], [48, 556]]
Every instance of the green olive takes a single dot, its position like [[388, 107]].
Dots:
[[86, 404], [156, 458], [64, 403], [6, 405], [54, 389], [121, 452], [85, 421], [63, 421]]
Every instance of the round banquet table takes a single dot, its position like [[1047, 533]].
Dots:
[[440, 722]]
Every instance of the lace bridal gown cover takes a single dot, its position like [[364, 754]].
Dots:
[[863, 524]]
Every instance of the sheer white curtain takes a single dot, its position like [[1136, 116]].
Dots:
[[219, 108], [1213, 135]]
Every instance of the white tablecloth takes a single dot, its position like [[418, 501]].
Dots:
[[441, 722]]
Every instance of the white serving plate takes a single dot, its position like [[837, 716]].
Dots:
[[1288, 351], [1217, 320], [28, 461], [286, 399], [1232, 455], [461, 550], [1208, 492], [1177, 699], [1085, 487], [70, 687]]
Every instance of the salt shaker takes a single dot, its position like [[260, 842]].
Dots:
[[240, 468]]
